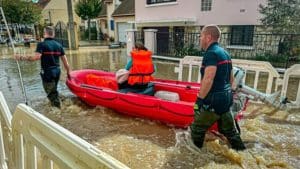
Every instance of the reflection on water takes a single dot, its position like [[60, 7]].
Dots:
[[271, 136]]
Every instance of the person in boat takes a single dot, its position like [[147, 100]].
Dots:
[[141, 68], [215, 96], [49, 52]]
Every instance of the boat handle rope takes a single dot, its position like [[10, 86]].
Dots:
[[172, 112], [134, 103], [90, 86], [188, 87], [97, 96], [96, 88]]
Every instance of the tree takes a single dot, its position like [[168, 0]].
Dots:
[[21, 12], [87, 10], [282, 16]]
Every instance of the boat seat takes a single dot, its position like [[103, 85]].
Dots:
[[166, 95]]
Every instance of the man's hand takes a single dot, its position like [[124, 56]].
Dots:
[[18, 57], [68, 75], [68, 72], [22, 57], [198, 104]]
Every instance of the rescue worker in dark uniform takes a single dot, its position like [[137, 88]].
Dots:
[[215, 96], [49, 52]]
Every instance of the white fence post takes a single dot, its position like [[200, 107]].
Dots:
[[32, 130], [292, 71], [28, 131], [3, 158], [5, 135], [130, 35], [150, 39]]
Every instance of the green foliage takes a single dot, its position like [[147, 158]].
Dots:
[[88, 9], [278, 60], [188, 50], [93, 34], [282, 16], [271, 57], [21, 12]]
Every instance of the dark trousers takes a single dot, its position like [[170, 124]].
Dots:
[[50, 80], [226, 123]]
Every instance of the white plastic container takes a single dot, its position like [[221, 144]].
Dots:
[[166, 95]]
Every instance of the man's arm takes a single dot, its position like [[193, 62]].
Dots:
[[207, 81], [36, 56], [66, 64], [129, 64]]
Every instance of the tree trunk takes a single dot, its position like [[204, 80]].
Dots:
[[89, 28]]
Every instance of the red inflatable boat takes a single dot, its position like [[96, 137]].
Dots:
[[100, 88]]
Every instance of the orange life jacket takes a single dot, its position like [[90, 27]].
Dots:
[[142, 67], [101, 81]]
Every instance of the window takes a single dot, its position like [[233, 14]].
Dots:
[[206, 5], [112, 25], [242, 35], [150, 2]]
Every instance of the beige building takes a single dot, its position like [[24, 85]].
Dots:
[[55, 11], [116, 17], [124, 17]]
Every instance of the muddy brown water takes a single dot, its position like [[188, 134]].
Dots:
[[271, 136]]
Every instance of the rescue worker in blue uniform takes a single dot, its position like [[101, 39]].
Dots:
[[215, 96], [49, 52]]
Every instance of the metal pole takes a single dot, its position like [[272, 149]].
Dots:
[[73, 42], [14, 51]]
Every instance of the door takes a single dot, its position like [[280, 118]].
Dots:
[[122, 27]]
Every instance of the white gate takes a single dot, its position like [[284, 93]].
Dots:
[[33, 136]]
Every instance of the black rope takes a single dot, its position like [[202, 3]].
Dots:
[[135, 103], [173, 112]]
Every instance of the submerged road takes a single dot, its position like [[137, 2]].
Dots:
[[271, 136]]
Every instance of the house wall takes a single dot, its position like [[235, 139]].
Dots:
[[230, 12], [58, 12], [110, 10], [123, 19], [224, 12]]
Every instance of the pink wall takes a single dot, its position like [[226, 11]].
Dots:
[[184, 9], [224, 12]]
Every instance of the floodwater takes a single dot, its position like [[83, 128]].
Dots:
[[272, 136]]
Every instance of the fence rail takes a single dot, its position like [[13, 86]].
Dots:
[[29, 140], [281, 50]]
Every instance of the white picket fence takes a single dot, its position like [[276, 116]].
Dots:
[[292, 71], [257, 67], [248, 65], [29, 140]]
